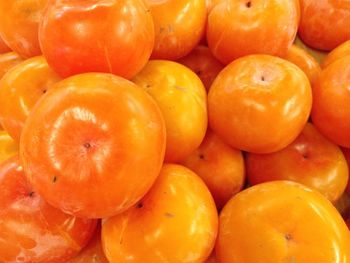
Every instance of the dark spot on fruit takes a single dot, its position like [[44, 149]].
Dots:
[[199, 72], [139, 205], [262, 78], [169, 215], [44, 91], [305, 156], [31, 194], [87, 145], [54, 179], [148, 85], [288, 237], [201, 156], [248, 4]]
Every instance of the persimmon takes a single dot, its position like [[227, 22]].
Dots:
[[347, 157], [204, 64], [305, 61], [311, 160], [324, 24], [331, 102], [220, 166], [259, 103], [114, 36], [30, 229], [93, 145], [179, 26], [281, 221], [20, 89], [19, 25], [182, 98], [7, 61], [245, 27], [3, 47], [8, 147], [339, 52], [178, 211], [93, 252], [319, 55]]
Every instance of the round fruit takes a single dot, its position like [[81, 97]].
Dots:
[[239, 28], [220, 166], [30, 229], [93, 145], [324, 24], [304, 61], [7, 61], [347, 157], [178, 211], [8, 147], [182, 98], [339, 52], [93, 252], [19, 23], [179, 26], [20, 89], [255, 98], [281, 221], [331, 104], [204, 64], [317, 54], [114, 36], [311, 160]]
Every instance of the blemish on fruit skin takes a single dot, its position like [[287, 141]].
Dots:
[[31, 194], [201, 156], [288, 237], [54, 179], [169, 215], [139, 205], [248, 4]]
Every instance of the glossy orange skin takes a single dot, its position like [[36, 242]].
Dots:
[[220, 166], [304, 61], [272, 32], [101, 147], [338, 53], [331, 102], [179, 26], [183, 100], [113, 36], [178, 211], [3, 47], [317, 54], [204, 64], [346, 153], [255, 98], [324, 24], [8, 147], [30, 229], [93, 252], [7, 61], [311, 160], [19, 25], [281, 222], [20, 89]]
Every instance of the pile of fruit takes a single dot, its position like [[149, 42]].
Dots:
[[174, 131]]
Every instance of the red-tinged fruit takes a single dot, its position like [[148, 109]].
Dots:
[[30, 229], [93, 145], [338, 53]]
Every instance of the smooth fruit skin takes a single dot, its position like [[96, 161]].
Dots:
[[93, 252], [8, 147], [176, 222], [331, 102], [7, 61], [317, 54], [324, 24], [19, 25], [93, 145], [311, 160], [30, 229], [220, 166], [244, 27], [179, 26], [112, 36], [183, 100], [3, 47], [346, 153], [20, 89], [304, 61], [204, 64], [281, 222], [259, 103], [339, 52]]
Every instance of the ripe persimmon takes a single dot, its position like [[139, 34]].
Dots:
[[7, 61], [339, 52]]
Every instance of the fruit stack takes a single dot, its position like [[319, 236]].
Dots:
[[174, 131]]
